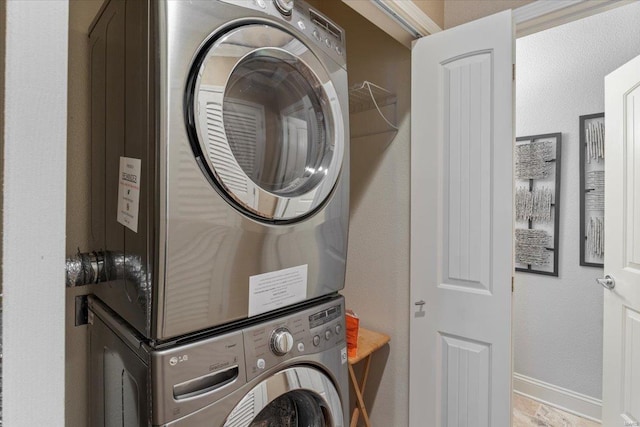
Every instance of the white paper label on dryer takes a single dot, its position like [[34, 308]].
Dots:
[[129, 192], [276, 289]]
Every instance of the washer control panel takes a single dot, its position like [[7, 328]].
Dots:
[[310, 331]]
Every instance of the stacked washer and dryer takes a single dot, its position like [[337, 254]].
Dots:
[[220, 198]]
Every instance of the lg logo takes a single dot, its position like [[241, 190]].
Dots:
[[178, 359]]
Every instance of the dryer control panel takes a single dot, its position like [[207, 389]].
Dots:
[[311, 331], [317, 28]]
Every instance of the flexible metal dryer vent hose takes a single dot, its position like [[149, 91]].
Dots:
[[85, 268], [102, 266]]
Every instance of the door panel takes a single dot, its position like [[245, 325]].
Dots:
[[461, 225], [632, 181], [466, 386], [621, 343], [631, 364], [467, 215]]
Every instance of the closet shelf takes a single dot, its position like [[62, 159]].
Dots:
[[367, 96]]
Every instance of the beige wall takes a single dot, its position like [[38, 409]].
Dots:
[[434, 9], [81, 13], [458, 12], [377, 285]]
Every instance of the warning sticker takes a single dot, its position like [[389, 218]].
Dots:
[[129, 192], [276, 289]]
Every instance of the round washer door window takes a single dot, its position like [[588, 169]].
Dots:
[[294, 397], [266, 121]]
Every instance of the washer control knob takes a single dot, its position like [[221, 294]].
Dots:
[[281, 341], [285, 7], [261, 364], [261, 4], [316, 340], [301, 347], [338, 329], [327, 334]]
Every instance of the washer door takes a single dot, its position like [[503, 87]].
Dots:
[[265, 122], [294, 397]]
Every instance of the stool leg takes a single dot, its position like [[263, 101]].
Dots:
[[366, 374], [354, 418], [359, 398]]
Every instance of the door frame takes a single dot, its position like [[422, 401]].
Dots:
[[405, 22], [538, 16]]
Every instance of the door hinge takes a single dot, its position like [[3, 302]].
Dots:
[[512, 284], [513, 72]]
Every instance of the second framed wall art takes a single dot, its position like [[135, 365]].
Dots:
[[537, 203], [592, 190]]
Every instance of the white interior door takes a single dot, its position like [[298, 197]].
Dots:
[[621, 355], [461, 225]]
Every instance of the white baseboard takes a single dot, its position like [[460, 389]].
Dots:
[[561, 398]]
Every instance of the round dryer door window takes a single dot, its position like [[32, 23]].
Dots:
[[266, 123], [294, 397]]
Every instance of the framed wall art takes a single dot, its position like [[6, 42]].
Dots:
[[537, 203], [592, 190]]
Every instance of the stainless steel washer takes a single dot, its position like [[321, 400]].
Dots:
[[288, 371], [220, 164]]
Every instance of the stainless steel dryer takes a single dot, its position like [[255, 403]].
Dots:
[[284, 372], [220, 159]]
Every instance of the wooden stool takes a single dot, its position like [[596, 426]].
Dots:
[[368, 343]]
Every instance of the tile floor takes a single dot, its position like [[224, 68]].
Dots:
[[528, 412]]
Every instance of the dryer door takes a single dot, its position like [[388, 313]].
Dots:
[[265, 122], [294, 397]]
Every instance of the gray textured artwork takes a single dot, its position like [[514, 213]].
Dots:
[[595, 141], [594, 185], [533, 205], [533, 160], [595, 236], [531, 247]]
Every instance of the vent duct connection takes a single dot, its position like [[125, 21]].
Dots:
[[102, 266]]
